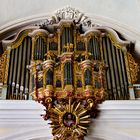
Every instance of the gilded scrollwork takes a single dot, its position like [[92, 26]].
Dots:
[[3, 60], [133, 68], [68, 81], [19, 40], [71, 118]]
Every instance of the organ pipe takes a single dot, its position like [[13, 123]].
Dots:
[[111, 65], [10, 74], [68, 73], [120, 73], [19, 70], [115, 70], [41, 50], [23, 69], [28, 63], [40, 57], [14, 73], [124, 75]]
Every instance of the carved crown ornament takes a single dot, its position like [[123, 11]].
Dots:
[[74, 65], [68, 13]]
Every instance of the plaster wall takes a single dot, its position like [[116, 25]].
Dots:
[[121, 15], [21, 120], [120, 11]]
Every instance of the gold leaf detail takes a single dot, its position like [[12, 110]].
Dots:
[[134, 68], [2, 66]]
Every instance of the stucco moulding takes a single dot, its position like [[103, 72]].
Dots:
[[67, 13]]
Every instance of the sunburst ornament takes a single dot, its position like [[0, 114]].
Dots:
[[69, 120]]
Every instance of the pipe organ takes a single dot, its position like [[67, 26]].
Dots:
[[69, 68], [67, 57]]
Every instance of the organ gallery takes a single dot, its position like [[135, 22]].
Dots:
[[69, 65]]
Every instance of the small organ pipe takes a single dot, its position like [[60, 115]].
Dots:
[[13, 83], [64, 37], [70, 35], [15, 72], [41, 41], [10, 73], [41, 49], [28, 63], [95, 48], [92, 48], [19, 67], [119, 71], [15, 65], [23, 68], [98, 50], [37, 49], [67, 36]]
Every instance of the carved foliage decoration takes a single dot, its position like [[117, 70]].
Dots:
[[68, 13], [133, 67], [2, 66]]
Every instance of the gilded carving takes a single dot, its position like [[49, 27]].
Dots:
[[133, 68], [113, 40], [66, 81], [16, 43], [69, 120], [68, 91], [3, 59]]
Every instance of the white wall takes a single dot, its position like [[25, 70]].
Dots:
[[122, 15], [122, 11], [21, 120]]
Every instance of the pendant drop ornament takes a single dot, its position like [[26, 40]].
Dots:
[[69, 120]]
